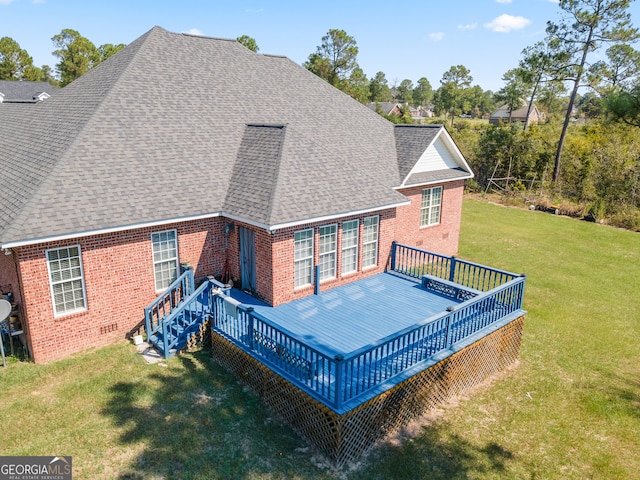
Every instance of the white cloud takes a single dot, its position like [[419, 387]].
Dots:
[[5, 2], [194, 31], [506, 23], [468, 26], [436, 36], [503, 1]]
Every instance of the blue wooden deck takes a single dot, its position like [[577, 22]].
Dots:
[[347, 318]]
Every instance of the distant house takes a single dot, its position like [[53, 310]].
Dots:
[[501, 115], [387, 108], [183, 148], [22, 91]]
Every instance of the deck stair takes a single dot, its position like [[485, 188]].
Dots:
[[178, 313]]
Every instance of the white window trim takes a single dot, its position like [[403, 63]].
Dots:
[[155, 286], [430, 207], [334, 251], [376, 242], [343, 249], [296, 287], [57, 314]]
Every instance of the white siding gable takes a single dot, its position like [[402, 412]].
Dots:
[[436, 157]]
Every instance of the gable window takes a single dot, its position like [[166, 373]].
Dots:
[[430, 208], [350, 246], [370, 242], [328, 250], [165, 258], [67, 279], [302, 257]]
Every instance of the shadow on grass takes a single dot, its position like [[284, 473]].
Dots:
[[193, 420], [435, 454]]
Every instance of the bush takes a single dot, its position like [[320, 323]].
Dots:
[[627, 217]]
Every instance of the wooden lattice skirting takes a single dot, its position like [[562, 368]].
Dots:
[[345, 437]]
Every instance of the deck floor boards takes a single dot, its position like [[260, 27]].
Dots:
[[346, 318]]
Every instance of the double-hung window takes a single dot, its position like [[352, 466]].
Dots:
[[431, 206], [328, 251], [67, 280], [303, 257], [370, 242], [165, 258], [350, 246]]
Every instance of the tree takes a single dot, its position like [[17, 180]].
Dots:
[[479, 101], [586, 25], [359, 85], [451, 92], [76, 53], [624, 106], [107, 50], [422, 93], [405, 91], [513, 92], [379, 90], [13, 60], [248, 42], [335, 58], [618, 71], [543, 70]]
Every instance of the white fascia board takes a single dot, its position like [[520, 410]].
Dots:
[[122, 228], [326, 218], [435, 182]]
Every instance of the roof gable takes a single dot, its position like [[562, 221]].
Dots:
[[428, 154]]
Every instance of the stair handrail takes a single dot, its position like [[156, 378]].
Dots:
[[181, 288], [202, 291]]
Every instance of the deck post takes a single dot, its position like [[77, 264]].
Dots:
[[165, 341], [147, 321], [250, 334], [338, 362], [452, 269], [450, 310], [394, 246], [316, 286]]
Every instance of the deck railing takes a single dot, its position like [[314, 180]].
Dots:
[[291, 357], [413, 262], [491, 295], [164, 305]]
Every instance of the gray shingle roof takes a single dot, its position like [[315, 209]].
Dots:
[[176, 126]]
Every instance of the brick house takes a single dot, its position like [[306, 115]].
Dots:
[[186, 149]]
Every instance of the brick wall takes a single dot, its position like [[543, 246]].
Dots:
[[119, 279], [441, 238], [283, 260]]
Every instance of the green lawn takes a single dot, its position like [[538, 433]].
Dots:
[[571, 409]]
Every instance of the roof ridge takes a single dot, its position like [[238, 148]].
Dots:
[[49, 180], [278, 170]]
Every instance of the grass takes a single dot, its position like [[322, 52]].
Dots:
[[570, 410]]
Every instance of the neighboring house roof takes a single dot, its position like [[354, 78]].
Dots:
[[23, 91], [175, 127], [518, 115], [387, 108]]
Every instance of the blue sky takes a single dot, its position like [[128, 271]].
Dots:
[[409, 39]]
